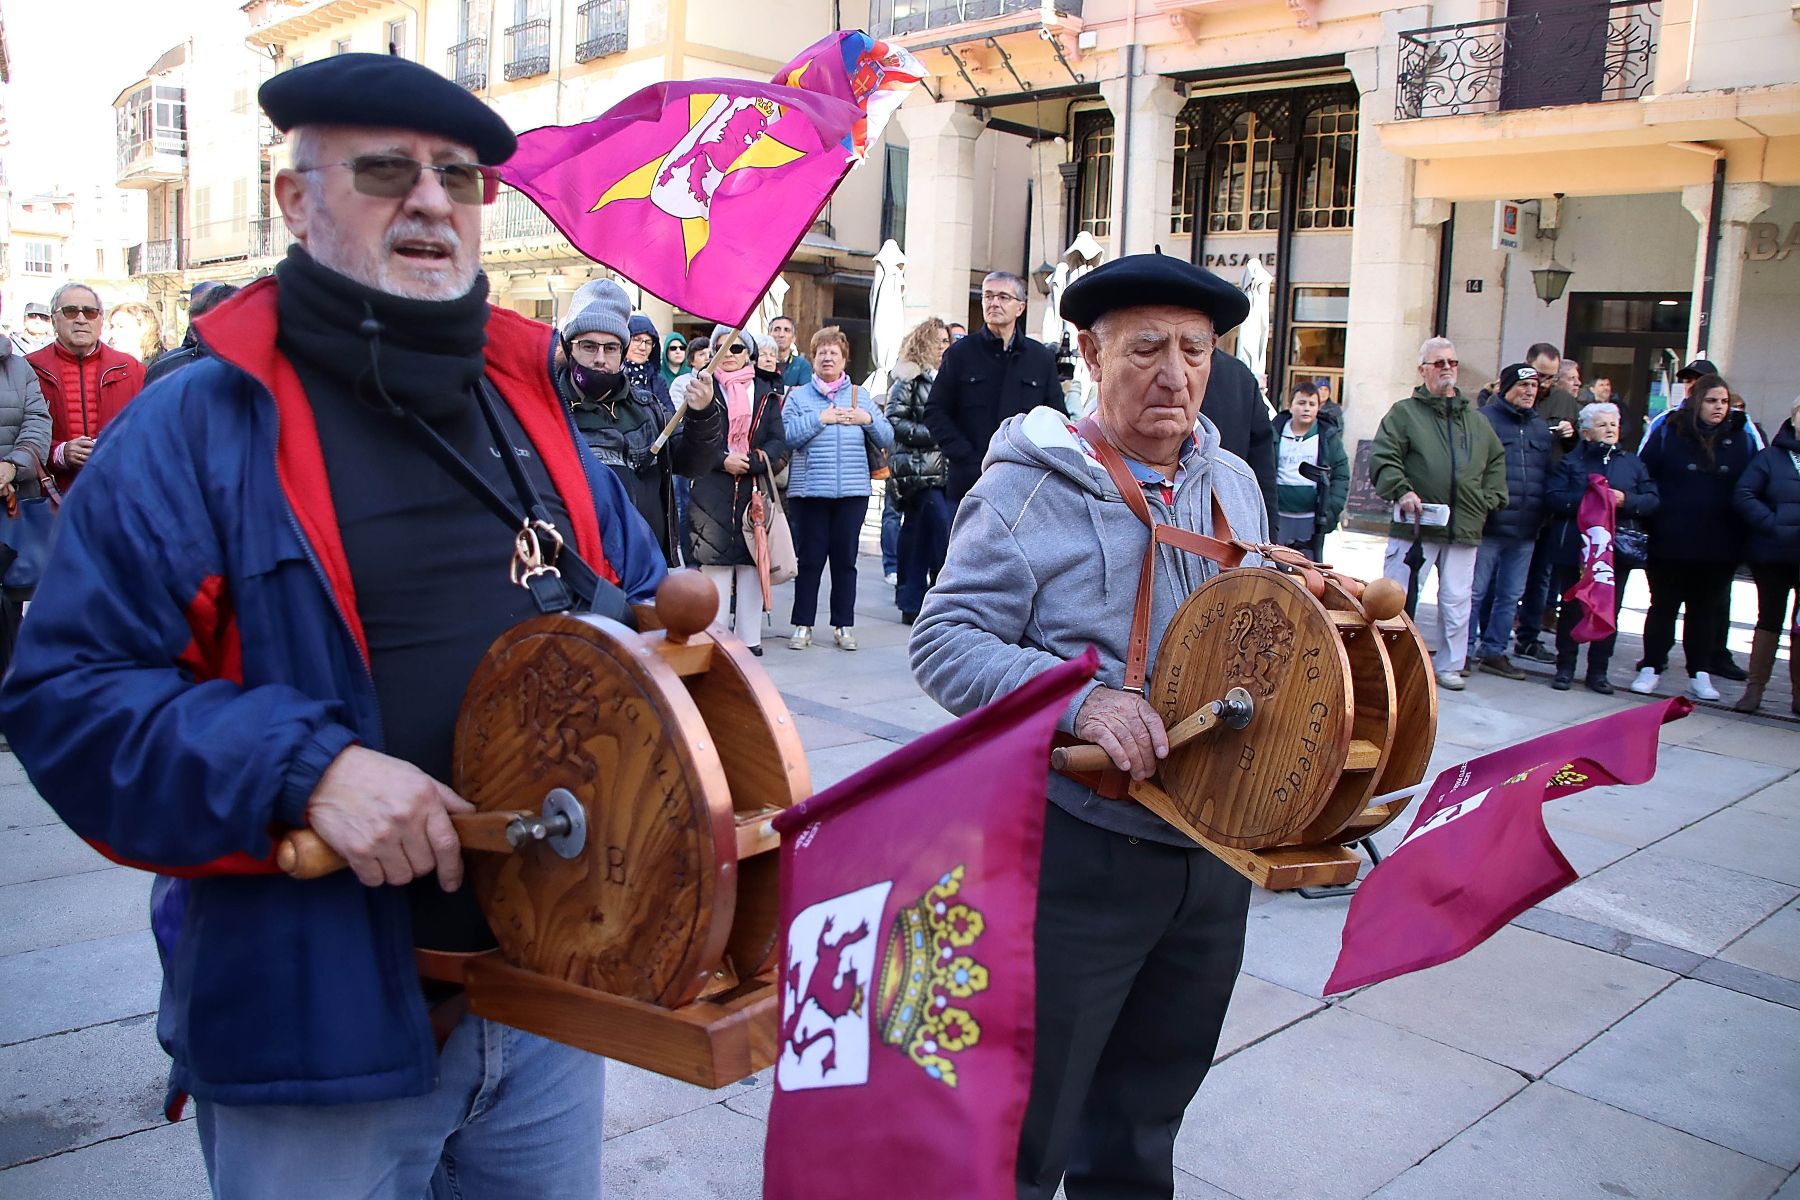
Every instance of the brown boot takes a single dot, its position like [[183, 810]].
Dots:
[[1762, 662]]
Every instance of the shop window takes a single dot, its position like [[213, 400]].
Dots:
[[893, 195], [1328, 168], [1244, 193], [1181, 200], [1316, 334], [1093, 187], [39, 258]]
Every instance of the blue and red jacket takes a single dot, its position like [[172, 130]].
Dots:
[[194, 662]]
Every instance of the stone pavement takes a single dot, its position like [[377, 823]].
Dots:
[[1637, 1035]]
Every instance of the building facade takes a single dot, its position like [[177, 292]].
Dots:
[[1357, 153], [537, 62]]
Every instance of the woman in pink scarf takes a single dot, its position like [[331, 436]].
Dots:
[[754, 447]]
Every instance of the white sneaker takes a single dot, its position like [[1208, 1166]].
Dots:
[[1646, 681], [1700, 687], [802, 637], [891, 579], [843, 637], [1451, 680]]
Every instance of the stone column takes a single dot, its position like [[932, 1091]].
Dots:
[[940, 209], [1393, 250], [1143, 160], [1743, 203]]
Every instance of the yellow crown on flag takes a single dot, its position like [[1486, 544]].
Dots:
[[923, 971]]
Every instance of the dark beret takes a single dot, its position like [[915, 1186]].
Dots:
[[384, 91], [1141, 279]]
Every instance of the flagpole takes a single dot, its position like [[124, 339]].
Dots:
[[662, 439]]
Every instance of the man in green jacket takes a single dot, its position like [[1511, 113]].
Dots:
[[1434, 448]]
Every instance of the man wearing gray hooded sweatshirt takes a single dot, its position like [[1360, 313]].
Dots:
[[1140, 932]]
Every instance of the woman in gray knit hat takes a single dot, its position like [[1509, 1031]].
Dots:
[[620, 421]]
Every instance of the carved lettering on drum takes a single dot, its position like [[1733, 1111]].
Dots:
[[615, 865], [1262, 640], [1293, 784]]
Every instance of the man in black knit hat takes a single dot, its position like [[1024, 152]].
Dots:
[[265, 617]]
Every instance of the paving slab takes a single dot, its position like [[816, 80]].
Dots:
[[1533, 697], [636, 1098], [1480, 728], [1779, 798], [29, 852], [753, 1096], [1259, 1008], [913, 712], [1587, 853], [1790, 1190], [1549, 1144], [20, 807], [1333, 1107], [73, 1089], [1689, 785], [1737, 737], [60, 988], [712, 1153], [1520, 999], [73, 908], [1294, 942], [816, 733], [1772, 947], [1742, 839], [161, 1163], [1713, 1063], [840, 762], [1692, 905]]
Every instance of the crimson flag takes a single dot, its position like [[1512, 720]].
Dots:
[[1478, 854], [908, 900], [1594, 591]]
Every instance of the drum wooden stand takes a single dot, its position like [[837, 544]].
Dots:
[[1292, 713], [652, 936]]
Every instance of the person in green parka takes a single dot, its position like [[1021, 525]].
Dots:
[[674, 358], [1308, 510], [1435, 448]]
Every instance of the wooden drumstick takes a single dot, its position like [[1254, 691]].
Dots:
[[1235, 710]]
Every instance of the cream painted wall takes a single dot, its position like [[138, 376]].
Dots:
[[221, 78], [1767, 374], [1744, 43]]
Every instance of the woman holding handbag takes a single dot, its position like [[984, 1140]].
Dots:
[[754, 450], [832, 426]]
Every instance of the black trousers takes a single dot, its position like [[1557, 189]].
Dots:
[[1775, 585], [1138, 947], [1600, 653], [826, 530], [1704, 590]]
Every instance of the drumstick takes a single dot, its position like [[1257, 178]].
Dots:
[[662, 439]]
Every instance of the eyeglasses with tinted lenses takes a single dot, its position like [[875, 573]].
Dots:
[[1443, 364], [595, 349], [735, 348], [990, 297], [393, 176], [71, 311]]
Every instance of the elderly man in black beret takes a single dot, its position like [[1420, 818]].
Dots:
[[264, 617], [1139, 931]]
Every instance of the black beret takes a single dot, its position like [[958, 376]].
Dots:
[[1140, 279], [384, 91]]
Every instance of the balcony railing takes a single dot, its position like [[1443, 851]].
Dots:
[[469, 64], [511, 217], [161, 156], [528, 49], [155, 258], [604, 27], [888, 18], [1574, 56], [269, 237]]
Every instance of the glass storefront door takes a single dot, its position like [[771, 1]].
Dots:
[[1636, 340]]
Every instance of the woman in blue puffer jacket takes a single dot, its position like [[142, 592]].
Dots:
[[1635, 496], [830, 424], [1768, 500]]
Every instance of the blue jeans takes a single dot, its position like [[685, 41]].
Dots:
[[1500, 575], [890, 529], [924, 539], [512, 1115]]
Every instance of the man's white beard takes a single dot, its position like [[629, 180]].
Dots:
[[369, 265]]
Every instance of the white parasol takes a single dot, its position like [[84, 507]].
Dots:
[[1082, 256], [887, 314], [770, 307], [1253, 334]]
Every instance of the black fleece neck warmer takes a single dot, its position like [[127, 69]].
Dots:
[[389, 351]]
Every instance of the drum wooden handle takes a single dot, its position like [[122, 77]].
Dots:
[[1235, 711], [303, 854]]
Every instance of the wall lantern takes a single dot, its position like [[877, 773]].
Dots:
[[1549, 281], [1042, 277]]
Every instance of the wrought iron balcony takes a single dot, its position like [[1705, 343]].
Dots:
[[469, 64], [155, 258], [889, 18], [603, 30], [1580, 55], [512, 217], [269, 237], [528, 49]]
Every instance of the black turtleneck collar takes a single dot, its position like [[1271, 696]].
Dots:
[[993, 339], [424, 355]]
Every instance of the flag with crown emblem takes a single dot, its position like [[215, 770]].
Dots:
[[1478, 854], [697, 191], [908, 901], [874, 75]]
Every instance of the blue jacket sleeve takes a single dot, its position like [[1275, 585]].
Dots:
[[630, 545], [1567, 487], [119, 728]]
